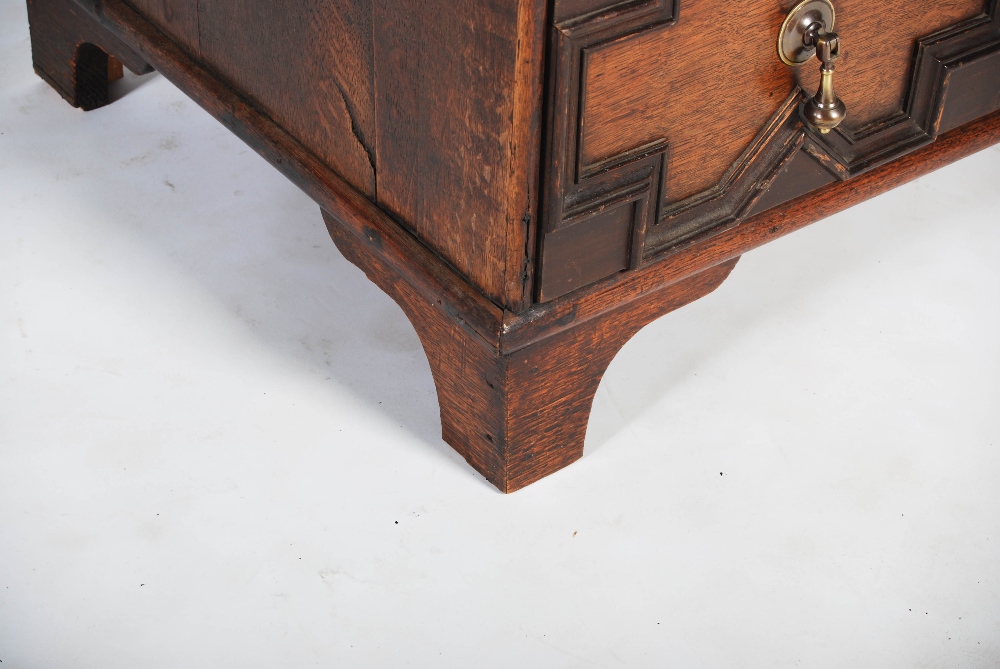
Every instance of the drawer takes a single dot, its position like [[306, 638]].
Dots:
[[673, 120]]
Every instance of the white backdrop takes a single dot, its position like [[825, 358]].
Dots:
[[219, 443]]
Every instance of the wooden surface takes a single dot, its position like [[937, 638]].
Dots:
[[431, 108], [177, 18], [544, 320], [564, 10], [299, 163], [689, 103], [458, 102], [707, 84], [311, 70], [878, 48], [801, 174], [710, 83], [974, 91], [579, 198], [595, 245], [434, 110]]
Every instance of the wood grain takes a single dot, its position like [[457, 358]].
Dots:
[[800, 175], [300, 165], [709, 83], [176, 18], [879, 44], [310, 70], [588, 250], [458, 107]]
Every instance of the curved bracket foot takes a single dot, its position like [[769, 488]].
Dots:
[[515, 415]]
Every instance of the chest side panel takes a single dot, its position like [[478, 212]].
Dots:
[[431, 108], [177, 18], [309, 66], [458, 95]]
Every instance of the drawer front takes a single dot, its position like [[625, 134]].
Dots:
[[673, 119]]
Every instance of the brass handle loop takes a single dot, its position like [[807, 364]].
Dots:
[[808, 32]]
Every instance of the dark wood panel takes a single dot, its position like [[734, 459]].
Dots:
[[802, 174], [310, 70], [458, 99], [177, 18], [586, 250], [973, 90]]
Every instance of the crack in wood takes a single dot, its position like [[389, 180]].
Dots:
[[356, 129]]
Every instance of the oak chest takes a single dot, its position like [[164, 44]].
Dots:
[[533, 181]]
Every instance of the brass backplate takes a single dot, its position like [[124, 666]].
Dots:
[[791, 40]]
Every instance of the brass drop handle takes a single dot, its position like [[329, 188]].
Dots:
[[825, 110], [808, 32]]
